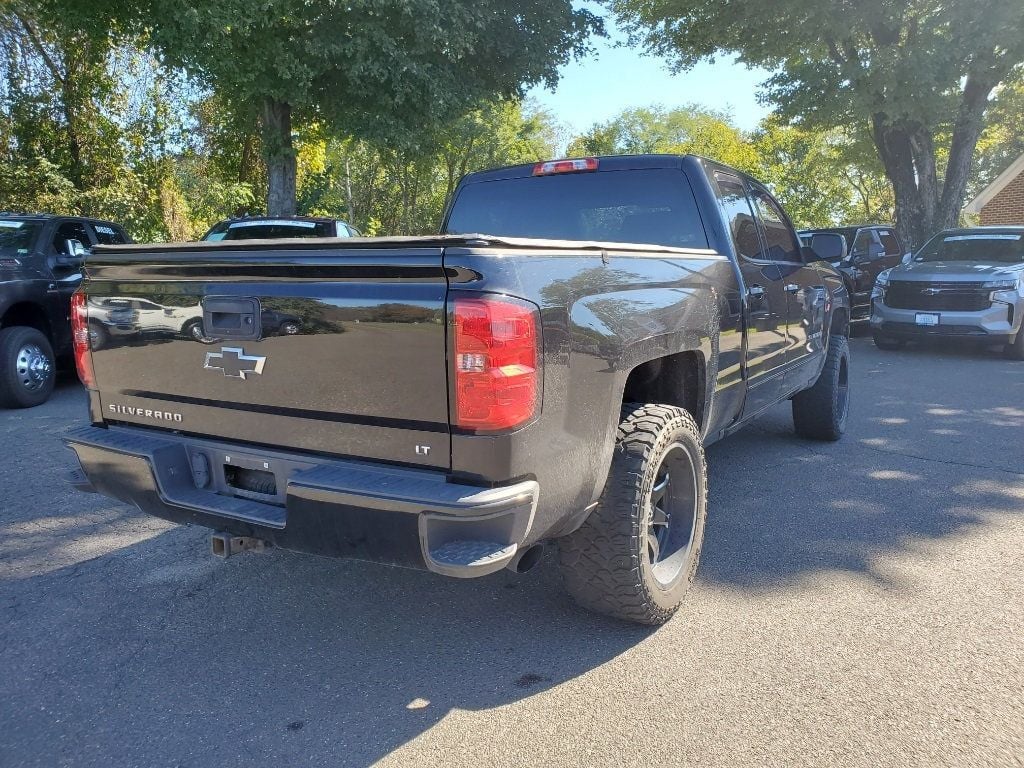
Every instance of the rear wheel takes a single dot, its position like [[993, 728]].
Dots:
[[820, 412], [888, 344], [636, 555], [27, 367]]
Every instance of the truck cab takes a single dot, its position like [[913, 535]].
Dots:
[[40, 268]]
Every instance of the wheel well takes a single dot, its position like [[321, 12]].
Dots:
[[31, 315], [672, 380], [840, 323]]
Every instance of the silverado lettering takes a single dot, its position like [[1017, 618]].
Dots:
[[148, 413]]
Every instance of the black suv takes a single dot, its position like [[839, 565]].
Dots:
[[40, 267], [872, 249]]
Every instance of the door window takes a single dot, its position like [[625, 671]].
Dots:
[[891, 243], [780, 238], [862, 244], [70, 230], [740, 215]]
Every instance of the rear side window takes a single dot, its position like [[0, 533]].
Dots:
[[890, 242], [70, 230], [649, 206], [780, 238], [740, 215], [108, 235]]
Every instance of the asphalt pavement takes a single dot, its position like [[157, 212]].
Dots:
[[858, 604]]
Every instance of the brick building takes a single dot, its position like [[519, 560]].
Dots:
[[1002, 201]]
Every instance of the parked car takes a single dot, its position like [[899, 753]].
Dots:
[[583, 329], [871, 249], [963, 284], [276, 227], [40, 267]]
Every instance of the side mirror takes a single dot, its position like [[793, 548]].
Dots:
[[74, 254], [829, 246]]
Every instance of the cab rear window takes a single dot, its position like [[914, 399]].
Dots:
[[654, 207]]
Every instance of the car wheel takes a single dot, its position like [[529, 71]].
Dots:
[[289, 329], [99, 337], [888, 344], [820, 413], [27, 367], [193, 330], [1015, 351], [635, 556]]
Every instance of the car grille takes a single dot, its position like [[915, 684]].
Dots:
[[951, 297]]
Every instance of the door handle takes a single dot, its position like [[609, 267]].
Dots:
[[792, 288], [756, 291]]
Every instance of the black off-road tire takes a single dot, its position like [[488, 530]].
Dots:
[[606, 564], [1015, 351], [820, 413], [888, 344], [14, 391]]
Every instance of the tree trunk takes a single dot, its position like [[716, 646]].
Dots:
[[924, 205], [281, 165], [349, 201], [966, 132], [247, 167], [894, 149]]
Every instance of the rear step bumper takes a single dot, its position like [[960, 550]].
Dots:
[[399, 516]]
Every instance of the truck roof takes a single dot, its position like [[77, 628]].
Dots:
[[605, 163]]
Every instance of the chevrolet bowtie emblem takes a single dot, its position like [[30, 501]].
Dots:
[[233, 362]]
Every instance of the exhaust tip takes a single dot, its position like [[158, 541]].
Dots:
[[526, 560]]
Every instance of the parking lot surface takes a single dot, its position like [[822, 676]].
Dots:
[[858, 604]]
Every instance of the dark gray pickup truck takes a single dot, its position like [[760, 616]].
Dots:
[[549, 369]]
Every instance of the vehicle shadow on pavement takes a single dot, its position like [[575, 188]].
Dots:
[[273, 658]]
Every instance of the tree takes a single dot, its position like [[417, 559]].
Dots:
[[690, 129], [911, 70], [386, 190], [1002, 142], [383, 69], [806, 172]]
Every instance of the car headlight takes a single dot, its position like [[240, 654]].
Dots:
[[1005, 291], [881, 282], [1002, 285]]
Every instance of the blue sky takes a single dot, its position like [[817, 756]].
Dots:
[[616, 78]]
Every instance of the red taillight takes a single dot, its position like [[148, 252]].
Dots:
[[565, 166], [80, 335], [496, 378]]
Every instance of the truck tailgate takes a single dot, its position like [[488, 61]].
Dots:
[[337, 350]]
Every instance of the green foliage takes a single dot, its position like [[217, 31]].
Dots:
[[387, 190], [821, 177], [910, 71], [1002, 142], [382, 70], [685, 130]]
